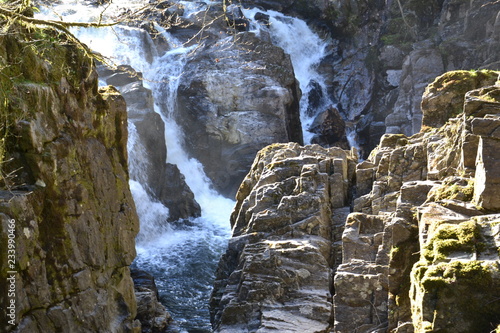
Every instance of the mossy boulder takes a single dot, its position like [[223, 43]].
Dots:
[[458, 296], [444, 98]]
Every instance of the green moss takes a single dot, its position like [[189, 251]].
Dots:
[[454, 188], [473, 273], [449, 238], [394, 251]]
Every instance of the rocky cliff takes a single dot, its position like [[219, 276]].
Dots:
[[68, 218], [419, 251]]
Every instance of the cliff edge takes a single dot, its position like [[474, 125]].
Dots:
[[68, 218]]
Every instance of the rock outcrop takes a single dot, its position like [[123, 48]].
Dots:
[[419, 252], [427, 234], [235, 97], [150, 312], [66, 211], [277, 271]]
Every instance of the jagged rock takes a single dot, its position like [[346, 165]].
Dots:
[[487, 189], [234, 98], [444, 98], [365, 173], [456, 280], [420, 237], [276, 273], [75, 220], [418, 231], [150, 312]]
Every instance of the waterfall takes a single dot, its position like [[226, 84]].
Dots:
[[183, 258], [306, 50]]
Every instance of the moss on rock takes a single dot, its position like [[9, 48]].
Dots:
[[448, 238], [444, 98]]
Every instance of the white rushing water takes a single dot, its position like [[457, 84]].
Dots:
[[306, 50]]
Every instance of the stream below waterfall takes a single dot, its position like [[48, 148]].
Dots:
[[184, 257]]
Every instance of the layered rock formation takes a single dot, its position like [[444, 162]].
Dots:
[[65, 201], [277, 271], [418, 254]]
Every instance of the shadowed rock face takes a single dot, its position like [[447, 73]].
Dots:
[[234, 98], [75, 220]]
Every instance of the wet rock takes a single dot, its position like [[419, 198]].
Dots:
[[235, 18], [234, 98], [151, 313], [329, 128]]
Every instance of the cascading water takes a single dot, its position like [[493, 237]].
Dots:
[[183, 258], [306, 50]]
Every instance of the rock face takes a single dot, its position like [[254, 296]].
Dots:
[[148, 151], [150, 312], [277, 271], [419, 252], [66, 204], [235, 97]]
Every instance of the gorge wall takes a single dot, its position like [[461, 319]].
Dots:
[[65, 198], [418, 253]]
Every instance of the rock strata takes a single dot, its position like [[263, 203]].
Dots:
[[277, 271]]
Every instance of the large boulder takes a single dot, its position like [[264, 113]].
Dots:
[[329, 129], [235, 97]]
